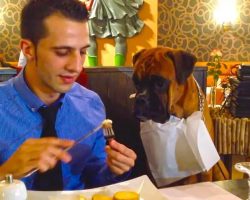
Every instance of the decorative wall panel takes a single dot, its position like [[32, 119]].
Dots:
[[9, 28], [186, 24], [189, 25]]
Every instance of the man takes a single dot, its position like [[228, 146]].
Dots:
[[54, 41]]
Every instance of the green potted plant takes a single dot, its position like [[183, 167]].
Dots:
[[215, 70]]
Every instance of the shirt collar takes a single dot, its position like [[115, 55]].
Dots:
[[31, 99]]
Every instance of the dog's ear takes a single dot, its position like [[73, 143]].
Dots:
[[184, 64], [136, 56]]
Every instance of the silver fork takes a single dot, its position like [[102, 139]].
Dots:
[[107, 132]]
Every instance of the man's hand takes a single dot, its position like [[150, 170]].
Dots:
[[41, 154], [120, 158]]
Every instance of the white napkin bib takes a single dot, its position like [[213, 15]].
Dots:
[[179, 148]]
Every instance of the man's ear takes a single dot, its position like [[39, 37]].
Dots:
[[28, 49], [136, 56], [184, 64]]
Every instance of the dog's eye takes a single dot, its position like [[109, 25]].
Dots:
[[139, 87], [159, 83], [139, 84], [135, 79]]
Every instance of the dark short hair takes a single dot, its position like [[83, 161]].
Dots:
[[36, 11]]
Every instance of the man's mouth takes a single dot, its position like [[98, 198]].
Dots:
[[67, 79]]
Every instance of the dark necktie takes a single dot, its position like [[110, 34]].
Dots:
[[51, 179]]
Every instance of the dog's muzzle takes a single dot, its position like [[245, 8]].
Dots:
[[150, 107], [151, 100]]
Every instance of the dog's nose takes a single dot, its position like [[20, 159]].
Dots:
[[141, 100]]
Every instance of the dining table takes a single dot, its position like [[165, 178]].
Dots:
[[238, 187], [221, 190]]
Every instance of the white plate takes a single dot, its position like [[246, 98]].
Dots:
[[142, 185]]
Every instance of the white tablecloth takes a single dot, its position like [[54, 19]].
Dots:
[[204, 191]]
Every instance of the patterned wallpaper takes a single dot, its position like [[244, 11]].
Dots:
[[189, 24], [9, 28], [186, 24]]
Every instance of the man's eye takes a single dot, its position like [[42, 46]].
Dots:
[[62, 52], [83, 52]]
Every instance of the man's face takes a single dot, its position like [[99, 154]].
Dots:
[[60, 55]]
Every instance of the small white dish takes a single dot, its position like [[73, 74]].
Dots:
[[12, 189]]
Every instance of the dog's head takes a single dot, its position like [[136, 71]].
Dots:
[[159, 76]]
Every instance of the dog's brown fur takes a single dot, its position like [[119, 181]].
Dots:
[[177, 66]]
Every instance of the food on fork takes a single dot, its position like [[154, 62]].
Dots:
[[108, 131], [126, 195], [107, 123], [101, 197]]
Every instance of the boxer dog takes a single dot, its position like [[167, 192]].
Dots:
[[165, 86]]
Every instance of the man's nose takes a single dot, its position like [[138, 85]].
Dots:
[[76, 62]]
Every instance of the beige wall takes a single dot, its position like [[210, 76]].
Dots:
[[190, 25], [181, 24], [9, 28]]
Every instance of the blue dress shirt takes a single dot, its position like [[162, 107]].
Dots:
[[81, 111]]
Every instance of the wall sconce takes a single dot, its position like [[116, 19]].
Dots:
[[226, 13]]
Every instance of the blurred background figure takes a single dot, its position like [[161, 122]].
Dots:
[[3, 63], [22, 60]]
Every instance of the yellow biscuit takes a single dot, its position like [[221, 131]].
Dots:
[[101, 197], [126, 195], [81, 197]]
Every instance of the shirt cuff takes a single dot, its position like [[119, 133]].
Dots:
[[117, 178]]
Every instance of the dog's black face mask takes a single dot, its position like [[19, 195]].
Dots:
[[151, 98]]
